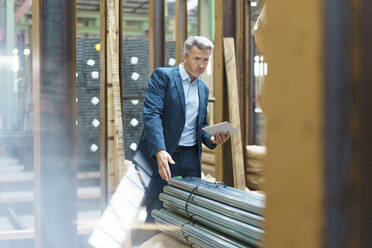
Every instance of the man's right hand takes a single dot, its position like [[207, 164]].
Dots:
[[164, 159]]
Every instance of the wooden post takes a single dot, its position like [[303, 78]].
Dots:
[[103, 108], [53, 64], [181, 28], [243, 59], [156, 34], [294, 165], [248, 87], [318, 159], [234, 115], [225, 27], [115, 127]]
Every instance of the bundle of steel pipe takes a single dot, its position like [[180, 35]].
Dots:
[[225, 211], [191, 233], [245, 200]]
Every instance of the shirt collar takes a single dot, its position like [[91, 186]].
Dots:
[[184, 74]]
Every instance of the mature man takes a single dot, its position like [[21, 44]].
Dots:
[[174, 113]]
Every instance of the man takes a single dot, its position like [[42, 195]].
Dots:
[[174, 113]]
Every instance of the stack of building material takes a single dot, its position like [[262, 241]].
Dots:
[[254, 168], [208, 161], [211, 215]]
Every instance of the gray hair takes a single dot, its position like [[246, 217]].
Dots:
[[200, 42]]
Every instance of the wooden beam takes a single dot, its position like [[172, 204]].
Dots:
[[181, 28], [53, 63], [243, 58], [294, 167], [224, 27], [234, 115], [157, 34], [320, 151], [103, 107], [248, 87], [113, 70]]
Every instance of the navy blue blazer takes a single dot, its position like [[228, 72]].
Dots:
[[164, 115]]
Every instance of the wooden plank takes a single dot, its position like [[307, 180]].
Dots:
[[103, 107], [156, 34], [111, 163], [54, 84], [234, 115], [113, 70], [181, 28]]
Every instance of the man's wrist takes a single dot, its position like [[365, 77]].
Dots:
[[158, 152]]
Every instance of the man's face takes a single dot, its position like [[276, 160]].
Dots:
[[196, 62]]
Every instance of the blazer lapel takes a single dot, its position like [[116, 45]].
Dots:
[[180, 90]]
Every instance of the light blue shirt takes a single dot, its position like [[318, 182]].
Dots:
[[188, 136]]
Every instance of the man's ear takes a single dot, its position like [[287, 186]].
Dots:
[[184, 56]]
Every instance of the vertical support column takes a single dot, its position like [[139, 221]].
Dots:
[[319, 152], [225, 27], [181, 28], [103, 106], [362, 99], [294, 165], [53, 54], [116, 156], [348, 121], [157, 34], [248, 87], [243, 58]]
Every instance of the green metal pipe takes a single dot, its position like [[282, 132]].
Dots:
[[211, 16]]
